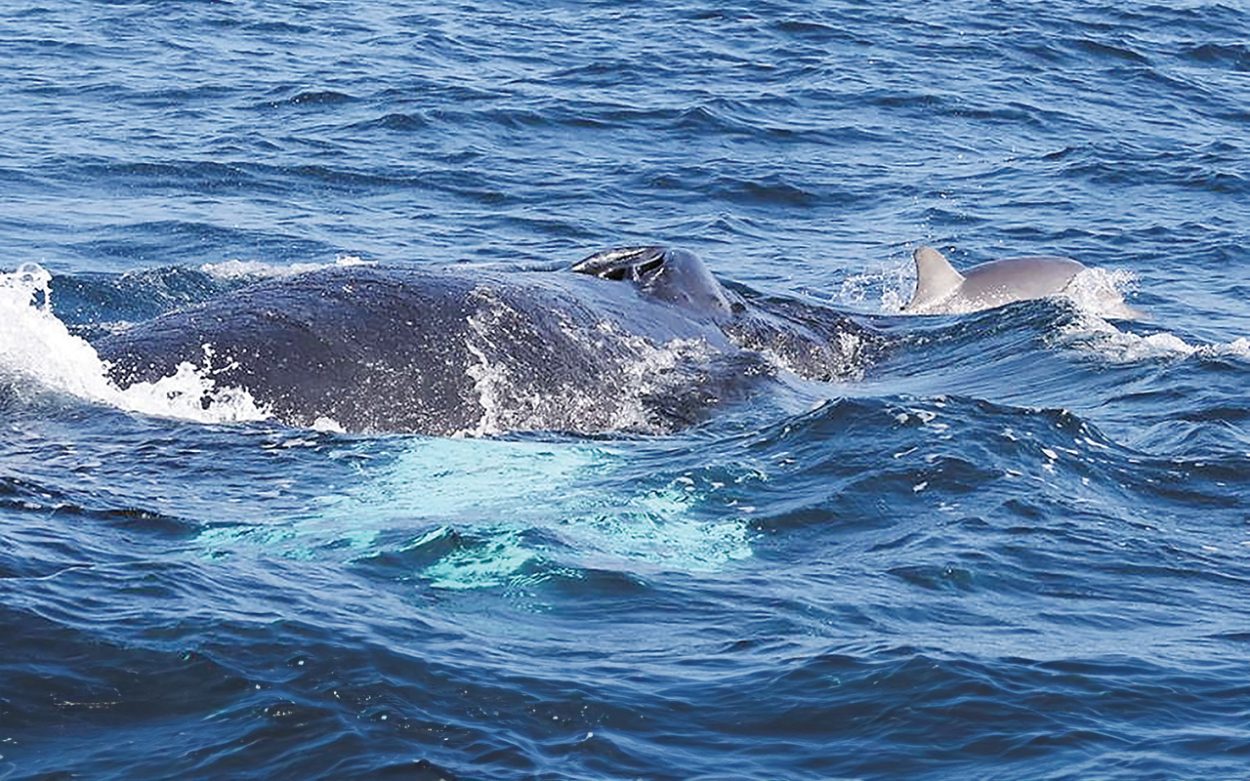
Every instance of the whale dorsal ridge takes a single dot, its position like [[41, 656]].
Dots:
[[936, 278]]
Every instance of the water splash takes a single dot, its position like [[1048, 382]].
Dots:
[[1101, 292], [37, 351], [236, 269], [1098, 295], [614, 397], [886, 288]]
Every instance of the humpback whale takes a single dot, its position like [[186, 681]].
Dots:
[[634, 338], [940, 289]]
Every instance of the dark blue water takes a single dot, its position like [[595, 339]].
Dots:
[[1017, 547]]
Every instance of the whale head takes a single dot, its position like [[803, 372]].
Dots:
[[674, 276]]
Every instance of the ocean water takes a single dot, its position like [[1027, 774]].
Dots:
[[1015, 546]]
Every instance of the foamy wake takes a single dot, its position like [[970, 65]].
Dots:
[[1093, 334], [255, 269], [37, 351], [1098, 296]]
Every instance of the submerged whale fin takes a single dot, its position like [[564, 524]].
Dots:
[[935, 277], [623, 263]]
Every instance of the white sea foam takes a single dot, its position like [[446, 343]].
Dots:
[[1093, 334], [327, 424], [37, 351], [1100, 292], [255, 269], [1098, 296]]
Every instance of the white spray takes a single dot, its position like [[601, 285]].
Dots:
[[37, 351]]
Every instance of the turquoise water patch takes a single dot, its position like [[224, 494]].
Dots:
[[508, 506]]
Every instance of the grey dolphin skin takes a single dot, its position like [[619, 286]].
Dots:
[[639, 338], [940, 289]]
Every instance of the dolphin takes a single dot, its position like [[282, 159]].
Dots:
[[941, 290]]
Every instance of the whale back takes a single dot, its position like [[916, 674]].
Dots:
[[811, 341], [441, 352], [642, 340]]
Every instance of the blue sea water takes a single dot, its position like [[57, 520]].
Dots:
[[1016, 547]]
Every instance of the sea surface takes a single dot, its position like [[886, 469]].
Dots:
[[1016, 545]]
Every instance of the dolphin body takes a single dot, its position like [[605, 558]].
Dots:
[[637, 338], [940, 289]]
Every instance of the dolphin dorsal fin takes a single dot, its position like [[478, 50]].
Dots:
[[936, 278]]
